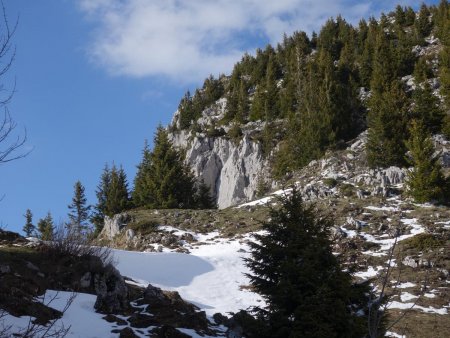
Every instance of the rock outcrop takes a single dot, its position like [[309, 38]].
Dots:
[[231, 168], [111, 290], [113, 225]]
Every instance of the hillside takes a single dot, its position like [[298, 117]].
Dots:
[[354, 119], [249, 132], [370, 213]]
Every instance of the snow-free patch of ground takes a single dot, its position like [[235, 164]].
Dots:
[[212, 276]]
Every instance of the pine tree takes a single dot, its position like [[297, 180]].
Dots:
[[29, 229], [427, 108], [293, 268], [164, 181], [425, 182], [79, 210], [387, 127], [423, 25], [117, 197], [101, 193], [203, 198], [46, 227], [112, 195]]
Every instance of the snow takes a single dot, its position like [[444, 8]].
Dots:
[[407, 306], [406, 285], [369, 273], [192, 333], [384, 208], [211, 276], [394, 335], [266, 200], [80, 317], [405, 296]]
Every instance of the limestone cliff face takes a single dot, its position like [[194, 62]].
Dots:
[[230, 168]]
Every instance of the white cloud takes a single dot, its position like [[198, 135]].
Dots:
[[186, 40]]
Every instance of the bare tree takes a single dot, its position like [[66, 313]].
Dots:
[[10, 141]]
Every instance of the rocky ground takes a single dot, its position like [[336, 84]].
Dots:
[[39, 283], [379, 234], [372, 216]]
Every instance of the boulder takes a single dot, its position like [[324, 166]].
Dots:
[[4, 268], [85, 280], [410, 261], [111, 290], [113, 225], [129, 234]]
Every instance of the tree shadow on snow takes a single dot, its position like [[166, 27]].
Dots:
[[168, 269]]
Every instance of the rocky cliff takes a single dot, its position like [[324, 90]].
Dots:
[[230, 166]]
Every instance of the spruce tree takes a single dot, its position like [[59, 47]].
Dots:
[[79, 210], [427, 108], [117, 197], [164, 181], [46, 227], [101, 193], [293, 268], [112, 195], [29, 229], [203, 198], [387, 127], [425, 182], [141, 194]]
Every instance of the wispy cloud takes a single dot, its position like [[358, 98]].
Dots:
[[186, 40]]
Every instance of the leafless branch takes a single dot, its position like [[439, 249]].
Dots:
[[9, 143]]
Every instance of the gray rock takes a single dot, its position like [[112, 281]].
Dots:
[[111, 290], [409, 261], [114, 225], [230, 169], [339, 233], [85, 280], [31, 266], [153, 293], [129, 234], [5, 268]]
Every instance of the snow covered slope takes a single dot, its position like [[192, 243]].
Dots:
[[212, 276]]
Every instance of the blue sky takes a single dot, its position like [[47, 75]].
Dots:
[[95, 78]]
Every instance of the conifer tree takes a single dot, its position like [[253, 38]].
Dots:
[[164, 180], [117, 197], [427, 108], [425, 182], [271, 91], [141, 193], [387, 127], [294, 270], [423, 25], [101, 193], [112, 195], [29, 229], [203, 198], [79, 210], [186, 111], [46, 227]]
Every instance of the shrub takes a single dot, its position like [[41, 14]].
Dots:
[[424, 242], [144, 226], [330, 182]]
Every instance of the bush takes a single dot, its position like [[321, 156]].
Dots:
[[424, 242], [144, 226], [347, 190], [330, 182], [235, 133], [70, 243]]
